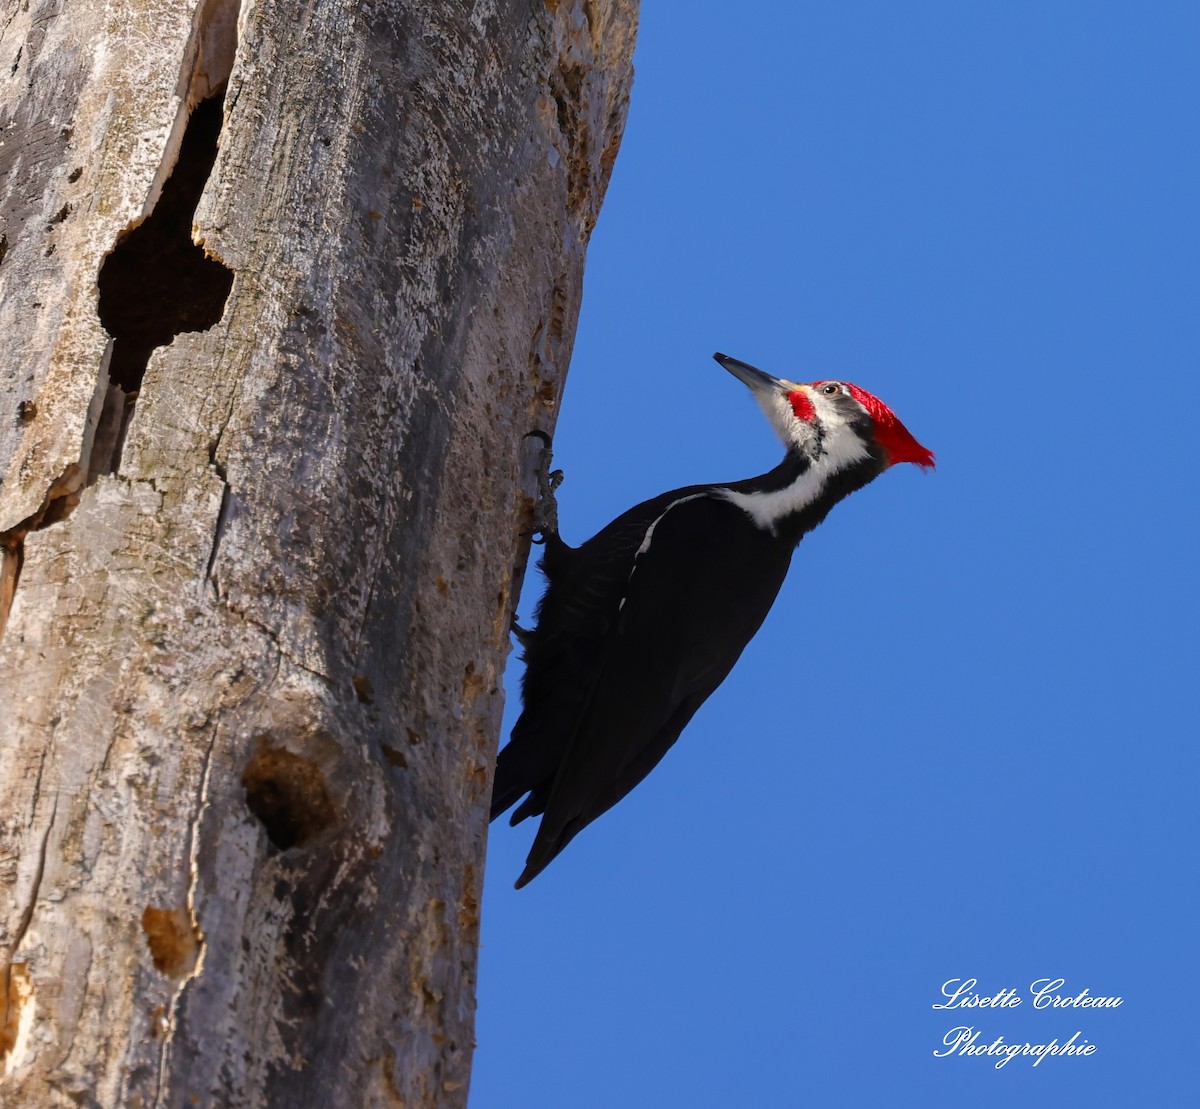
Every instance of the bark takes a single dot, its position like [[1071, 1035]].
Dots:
[[262, 512]]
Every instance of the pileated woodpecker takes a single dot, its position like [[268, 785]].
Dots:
[[643, 621]]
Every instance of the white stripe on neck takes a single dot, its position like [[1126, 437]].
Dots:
[[843, 449]]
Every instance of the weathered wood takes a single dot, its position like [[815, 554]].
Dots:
[[261, 586]]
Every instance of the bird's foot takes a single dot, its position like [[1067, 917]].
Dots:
[[524, 636], [545, 511]]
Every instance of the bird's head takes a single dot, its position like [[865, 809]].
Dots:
[[825, 417]]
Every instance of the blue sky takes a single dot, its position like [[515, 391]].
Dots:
[[964, 743]]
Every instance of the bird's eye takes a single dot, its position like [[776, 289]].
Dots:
[[831, 388]]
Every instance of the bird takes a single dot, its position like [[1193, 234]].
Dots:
[[642, 622]]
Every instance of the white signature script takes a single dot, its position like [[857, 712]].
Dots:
[[963, 1041], [960, 993]]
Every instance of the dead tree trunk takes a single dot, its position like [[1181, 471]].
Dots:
[[283, 285]]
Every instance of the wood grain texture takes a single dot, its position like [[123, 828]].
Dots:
[[251, 671]]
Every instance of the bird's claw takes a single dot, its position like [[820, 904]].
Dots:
[[524, 636], [545, 511]]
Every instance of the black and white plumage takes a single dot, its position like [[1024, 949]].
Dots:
[[642, 622]]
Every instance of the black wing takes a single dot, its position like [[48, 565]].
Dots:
[[694, 598], [563, 652]]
